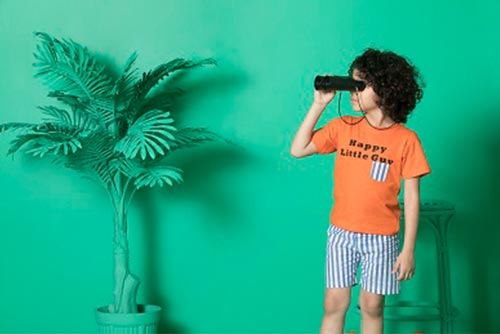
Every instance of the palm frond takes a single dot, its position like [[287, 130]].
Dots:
[[56, 115], [53, 144], [147, 174], [74, 118], [13, 126], [154, 176], [68, 67], [129, 168], [72, 101], [124, 86], [48, 138], [148, 136], [21, 140], [88, 114], [96, 158]]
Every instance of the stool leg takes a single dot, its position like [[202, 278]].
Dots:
[[446, 275], [440, 224]]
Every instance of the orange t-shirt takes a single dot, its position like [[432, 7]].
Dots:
[[369, 166]]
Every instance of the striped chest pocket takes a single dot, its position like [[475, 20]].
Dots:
[[379, 171]]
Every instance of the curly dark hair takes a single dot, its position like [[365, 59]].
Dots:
[[393, 78]]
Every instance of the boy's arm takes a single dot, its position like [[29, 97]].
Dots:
[[412, 210], [302, 144], [405, 262]]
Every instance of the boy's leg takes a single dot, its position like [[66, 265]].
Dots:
[[378, 257], [342, 261], [372, 312], [336, 304]]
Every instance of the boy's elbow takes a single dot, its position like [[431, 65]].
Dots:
[[295, 153]]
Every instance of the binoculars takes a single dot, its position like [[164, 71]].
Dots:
[[328, 82]]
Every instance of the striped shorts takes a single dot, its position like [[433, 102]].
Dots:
[[376, 253]]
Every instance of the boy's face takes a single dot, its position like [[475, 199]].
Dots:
[[367, 97]]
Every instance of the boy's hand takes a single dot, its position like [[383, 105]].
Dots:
[[322, 97], [405, 264]]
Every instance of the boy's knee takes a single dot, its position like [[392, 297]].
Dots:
[[372, 307], [336, 304]]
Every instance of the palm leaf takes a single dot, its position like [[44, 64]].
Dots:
[[129, 168], [22, 140], [124, 86], [96, 158], [70, 100], [68, 67], [48, 138], [13, 126], [78, 107], [54, 144], [56, 115], [74, 118], [148, 174], [148, 136], [158, 176]]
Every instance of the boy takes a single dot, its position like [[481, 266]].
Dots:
[[374, 152]]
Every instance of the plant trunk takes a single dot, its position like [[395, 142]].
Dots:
[[126, 283]]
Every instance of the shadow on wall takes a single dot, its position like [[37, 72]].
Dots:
[[473, 177], [222, 82], [151, 281], [202, 169]]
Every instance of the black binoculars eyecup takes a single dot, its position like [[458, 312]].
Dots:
[[335, 82]]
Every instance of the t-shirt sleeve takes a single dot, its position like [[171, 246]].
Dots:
[[414, 161], [325, 138]]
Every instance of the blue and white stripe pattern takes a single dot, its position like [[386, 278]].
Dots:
[[375, 253], [379, 171]]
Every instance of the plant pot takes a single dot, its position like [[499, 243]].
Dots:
[[143, 322]]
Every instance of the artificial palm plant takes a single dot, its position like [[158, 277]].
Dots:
[[117, 130]]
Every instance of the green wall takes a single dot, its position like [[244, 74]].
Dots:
[[239, 247]]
